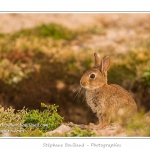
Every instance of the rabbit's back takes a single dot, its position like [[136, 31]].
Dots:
[[120, 98]]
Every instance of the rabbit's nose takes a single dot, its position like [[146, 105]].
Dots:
[[82, 83]]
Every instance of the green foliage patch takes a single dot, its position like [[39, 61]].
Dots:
[[139, 125], [82, 133], [29, 123], [134, 63], [146, 77], [48, 119], [51, 30]]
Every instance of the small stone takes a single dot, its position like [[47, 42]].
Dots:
[[60, 130]]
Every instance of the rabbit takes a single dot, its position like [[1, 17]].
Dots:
[[111, 103]]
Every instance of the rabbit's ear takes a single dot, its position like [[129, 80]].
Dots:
[[105, 64], [97, 61]]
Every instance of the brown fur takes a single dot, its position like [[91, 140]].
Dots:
[[109, 102]]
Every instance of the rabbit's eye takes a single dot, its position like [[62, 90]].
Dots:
[[92, 76]]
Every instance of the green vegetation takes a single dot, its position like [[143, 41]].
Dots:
[[146, 76], [82, 133], [139, 125], [52, 30], [129, 66], [30, 49], [29, 123], [47, 119]]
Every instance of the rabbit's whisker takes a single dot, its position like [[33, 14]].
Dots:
[[77, 93], [84, 98], [73, 91]]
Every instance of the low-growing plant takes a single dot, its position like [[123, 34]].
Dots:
[[12, 73], [29, 123], [139, 125], [11, 122], [45, 120], [146, 77], [82, 133], [53, 30]]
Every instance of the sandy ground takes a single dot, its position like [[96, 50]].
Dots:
[[17, 21]]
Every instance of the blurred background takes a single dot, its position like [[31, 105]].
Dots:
[[43, 56]]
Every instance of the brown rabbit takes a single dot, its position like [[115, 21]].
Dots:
[[109, 102]]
